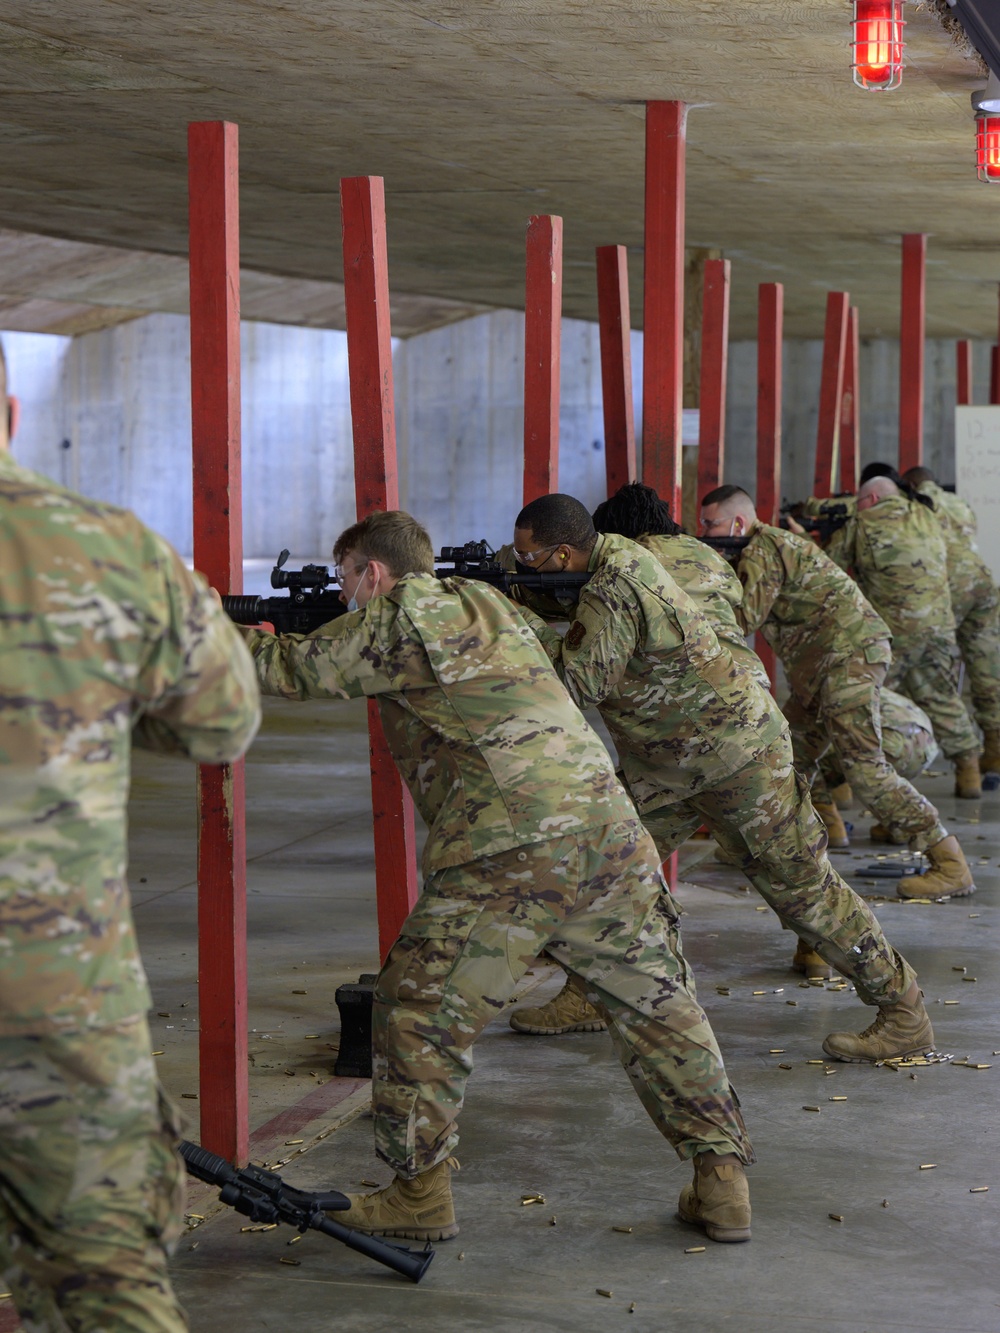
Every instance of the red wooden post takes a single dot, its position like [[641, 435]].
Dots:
[[830, 392], [770, 330], [963, 373], [376, 484], [616, 365], [850, 410], [213, 193], [663, 300], [542, 316], [994, 375], [911, 351], [714, 361]]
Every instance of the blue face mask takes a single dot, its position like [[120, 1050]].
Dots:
[[352, 605]]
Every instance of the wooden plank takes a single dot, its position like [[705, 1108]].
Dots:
[[616, 365], [213, 192], [663, 300], [714, 364], [912, 312], [830, 393], [542, 329], [850, 409], [376, 483]]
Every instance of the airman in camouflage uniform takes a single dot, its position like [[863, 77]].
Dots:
[[836, 652], [895, 550], [975, 602], [108, 642], [532, 844], [907, 742], [699, 740]]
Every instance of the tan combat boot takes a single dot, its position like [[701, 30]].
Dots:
[[968, 781], [879, 833], [835, 830], [718, 1200], [418, 1209], [568, 1012], [809, 963], [899, 1030], [843, 796], [989, 760], [948, 877]]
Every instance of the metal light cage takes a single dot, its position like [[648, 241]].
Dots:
[[878, 44], [988, 148]]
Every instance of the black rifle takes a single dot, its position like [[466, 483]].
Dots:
[[314, 596], [730, 547], [832, 516], [264, 1197]]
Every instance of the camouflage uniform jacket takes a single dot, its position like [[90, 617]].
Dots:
[[683, 715], [959, 513], [107, 639], [969, 576], [897, 554], [807, 608], [492, 748], [709, 581]]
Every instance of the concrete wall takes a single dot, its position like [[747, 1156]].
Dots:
[[108, 413]]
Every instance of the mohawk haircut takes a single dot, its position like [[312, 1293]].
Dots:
[[558, 520], [635, 510]]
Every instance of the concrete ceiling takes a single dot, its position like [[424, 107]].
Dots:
[[479, 113]]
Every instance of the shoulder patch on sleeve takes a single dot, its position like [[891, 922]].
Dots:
[[576, 634]]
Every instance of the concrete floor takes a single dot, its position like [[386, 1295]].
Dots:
[[916, 1250]]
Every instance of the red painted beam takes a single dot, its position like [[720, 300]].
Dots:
[[663, 300], [830, 393], [912, 313], [213, 193], [542, 330], [963, 373], [616, 365], [770, 333], [850, 410], [994, 375], [376, 484], [714, 364]]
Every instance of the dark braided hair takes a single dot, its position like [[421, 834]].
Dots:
[[635, 510], [887, 470]]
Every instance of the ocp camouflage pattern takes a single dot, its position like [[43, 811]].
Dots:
[[107, 640], [710, 582], [683, 715], [595, 904], [492, 748]]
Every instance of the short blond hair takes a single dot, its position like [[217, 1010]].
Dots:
[[394, 538]]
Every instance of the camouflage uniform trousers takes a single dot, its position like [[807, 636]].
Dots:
[[845, 714], [91, 1187], [977, 629], [763, 817], [925, 671], [594, 900]]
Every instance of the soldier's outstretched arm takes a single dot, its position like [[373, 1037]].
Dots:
[[549, 637], [601, 640], [762, 575], [196, 691], [338, 661]]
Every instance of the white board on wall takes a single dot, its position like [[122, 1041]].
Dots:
[[977, 475]]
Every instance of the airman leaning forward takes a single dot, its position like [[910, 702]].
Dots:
[[836, 652], [533, 844], [700, 741]]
